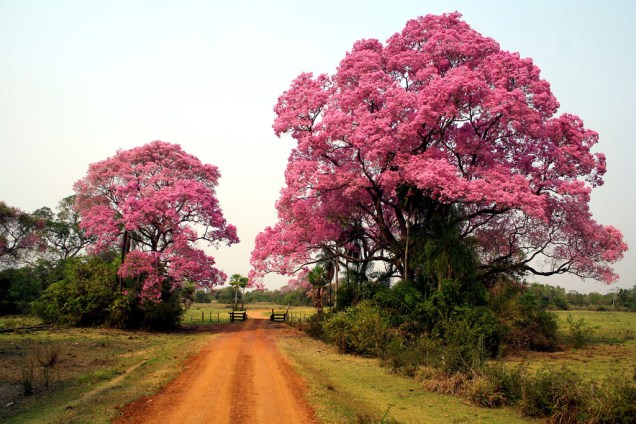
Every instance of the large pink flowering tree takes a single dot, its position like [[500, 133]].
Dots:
[[434, 147], [157, 205]]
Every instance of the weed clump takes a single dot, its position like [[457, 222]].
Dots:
[[552, 393], [580, 331], [37, 367]]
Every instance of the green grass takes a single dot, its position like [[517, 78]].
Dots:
[[346, 388], [98, 370], [214, 313], [14, 321], [610, 352]]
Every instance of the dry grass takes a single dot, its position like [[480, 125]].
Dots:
[[68, 371]]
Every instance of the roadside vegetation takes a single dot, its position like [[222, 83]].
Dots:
[[572, 381], [354, 389]]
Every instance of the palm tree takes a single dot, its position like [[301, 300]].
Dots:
[[319, 279], [239, 283]]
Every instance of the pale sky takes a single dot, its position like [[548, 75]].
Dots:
[[81, 79]]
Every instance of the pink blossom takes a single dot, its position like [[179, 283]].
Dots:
[[159, 202], [441, 111]]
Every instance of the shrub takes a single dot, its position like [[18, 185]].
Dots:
[[580, 331], [359, 329], [164, 315], [484, 392], [439, 381], [27, 376], [497, 386], [612, 402], [470, 336], [83, 297], [201, 296], [405, 357], [552, 393], [47, 357], [88, 295], [529, 325], [315, 326]]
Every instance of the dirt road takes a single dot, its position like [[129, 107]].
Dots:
[[240, 377]]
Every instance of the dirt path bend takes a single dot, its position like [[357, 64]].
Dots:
[[240, 377]]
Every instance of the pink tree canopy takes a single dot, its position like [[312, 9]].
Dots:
[[439, 123], [157, 204]]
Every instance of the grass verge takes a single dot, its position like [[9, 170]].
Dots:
[[350, 389]]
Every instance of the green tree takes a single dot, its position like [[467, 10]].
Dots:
[[319, 280], [62, 233], [239, 283]]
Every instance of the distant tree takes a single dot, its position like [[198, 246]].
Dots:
[[201, 296], [627, 298], [577, 299], [19, 235], [239, 283], [156, 204], [549, 296], [225, 295], [62, 232]]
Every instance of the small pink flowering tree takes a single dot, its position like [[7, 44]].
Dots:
[[434, 147], [157, 205], [20, 235]]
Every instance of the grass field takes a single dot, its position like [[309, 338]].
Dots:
[[13, 321], [95, 371], [213, 313], [610, 352]]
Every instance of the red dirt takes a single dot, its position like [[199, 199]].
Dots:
[[240, 377]]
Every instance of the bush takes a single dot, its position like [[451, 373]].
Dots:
[[529, 325], [164, 315], [315, 326], [552, 393], [580, 331], [406, 357], [496, 386], [88, 295], [612, 402], [83, 297], [470, 336], [484, 392], [359, 329]]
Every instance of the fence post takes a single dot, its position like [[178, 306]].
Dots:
[[218, 317], [202, 318]]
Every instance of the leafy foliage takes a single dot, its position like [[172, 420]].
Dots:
[[360, 329], [84, 296], [21, 286], [87, 295], [61, 232]]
